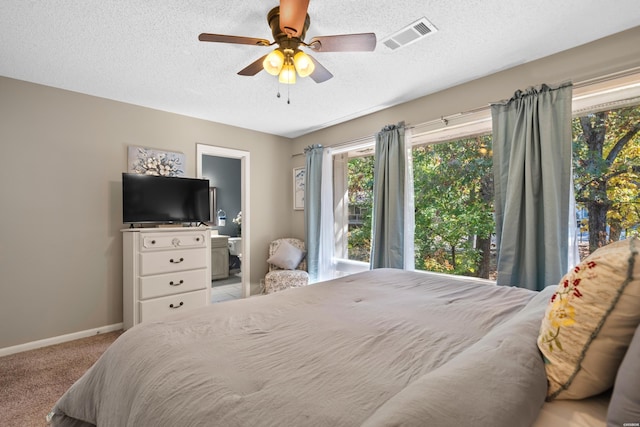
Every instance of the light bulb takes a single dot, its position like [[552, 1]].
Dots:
[[273, 63], [288, 74], [304, 64]]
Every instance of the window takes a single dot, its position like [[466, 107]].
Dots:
[[453, 183], [359, 204], [453, 206], [606, 169]]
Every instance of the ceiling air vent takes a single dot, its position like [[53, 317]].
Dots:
[[410, 34]]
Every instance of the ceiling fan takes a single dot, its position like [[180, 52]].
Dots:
[[289, 23]]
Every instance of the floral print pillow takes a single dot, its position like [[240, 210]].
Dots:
[[590, 321]]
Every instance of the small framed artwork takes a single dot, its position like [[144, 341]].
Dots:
[[298, 188], [148, 161]]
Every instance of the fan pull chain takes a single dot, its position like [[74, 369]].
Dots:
[[288, 95], [289, 85]]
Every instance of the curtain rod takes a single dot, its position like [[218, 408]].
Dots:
[[445, 119], [343, 143], [607, 77]]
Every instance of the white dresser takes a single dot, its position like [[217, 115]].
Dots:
[[165, 270]]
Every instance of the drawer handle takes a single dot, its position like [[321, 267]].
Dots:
[[173, 261], [171, 283], [153, 242], [176, 306], [197, 239]]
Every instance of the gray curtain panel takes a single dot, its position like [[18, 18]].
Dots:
[[387, 236], [312, 207], [532, 177]]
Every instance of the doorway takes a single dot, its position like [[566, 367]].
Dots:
[[241, 239]]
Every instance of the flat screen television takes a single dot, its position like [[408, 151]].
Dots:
[[164, 200]]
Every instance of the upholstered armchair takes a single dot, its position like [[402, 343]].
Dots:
[[287, 265]]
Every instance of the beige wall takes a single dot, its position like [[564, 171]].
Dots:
[[61, 209], [612, 54]]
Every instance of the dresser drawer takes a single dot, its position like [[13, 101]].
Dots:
[[172, 283], [159, 307], [170, 261], [167, 240]]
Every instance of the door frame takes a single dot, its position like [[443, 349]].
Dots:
[[244, 156]]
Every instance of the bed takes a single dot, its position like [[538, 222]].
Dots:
[[380, 348]]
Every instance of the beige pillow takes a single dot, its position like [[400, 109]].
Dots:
[[590, 321], [286, 256]]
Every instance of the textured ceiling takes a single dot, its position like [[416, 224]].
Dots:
[[147, 52]]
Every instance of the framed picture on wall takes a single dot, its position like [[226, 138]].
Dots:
[[298, 188], [149, 161]]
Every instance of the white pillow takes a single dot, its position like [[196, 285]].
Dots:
[[625, 400], [287, 256]]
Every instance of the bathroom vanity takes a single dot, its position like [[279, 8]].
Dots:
[[219, 257]]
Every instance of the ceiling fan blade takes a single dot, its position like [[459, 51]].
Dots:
[[364, 42], [293, 13], [320, 74], [254, 68], [222, 38]]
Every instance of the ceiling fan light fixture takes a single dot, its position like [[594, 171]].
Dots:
[[274, 62], [303, 63], [289, 23], [288, 74]]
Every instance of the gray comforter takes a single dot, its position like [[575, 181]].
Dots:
[[380, 348]]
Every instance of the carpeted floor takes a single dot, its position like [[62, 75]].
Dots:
[[32, 381]]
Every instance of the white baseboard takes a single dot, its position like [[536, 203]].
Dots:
[[59, 339]]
